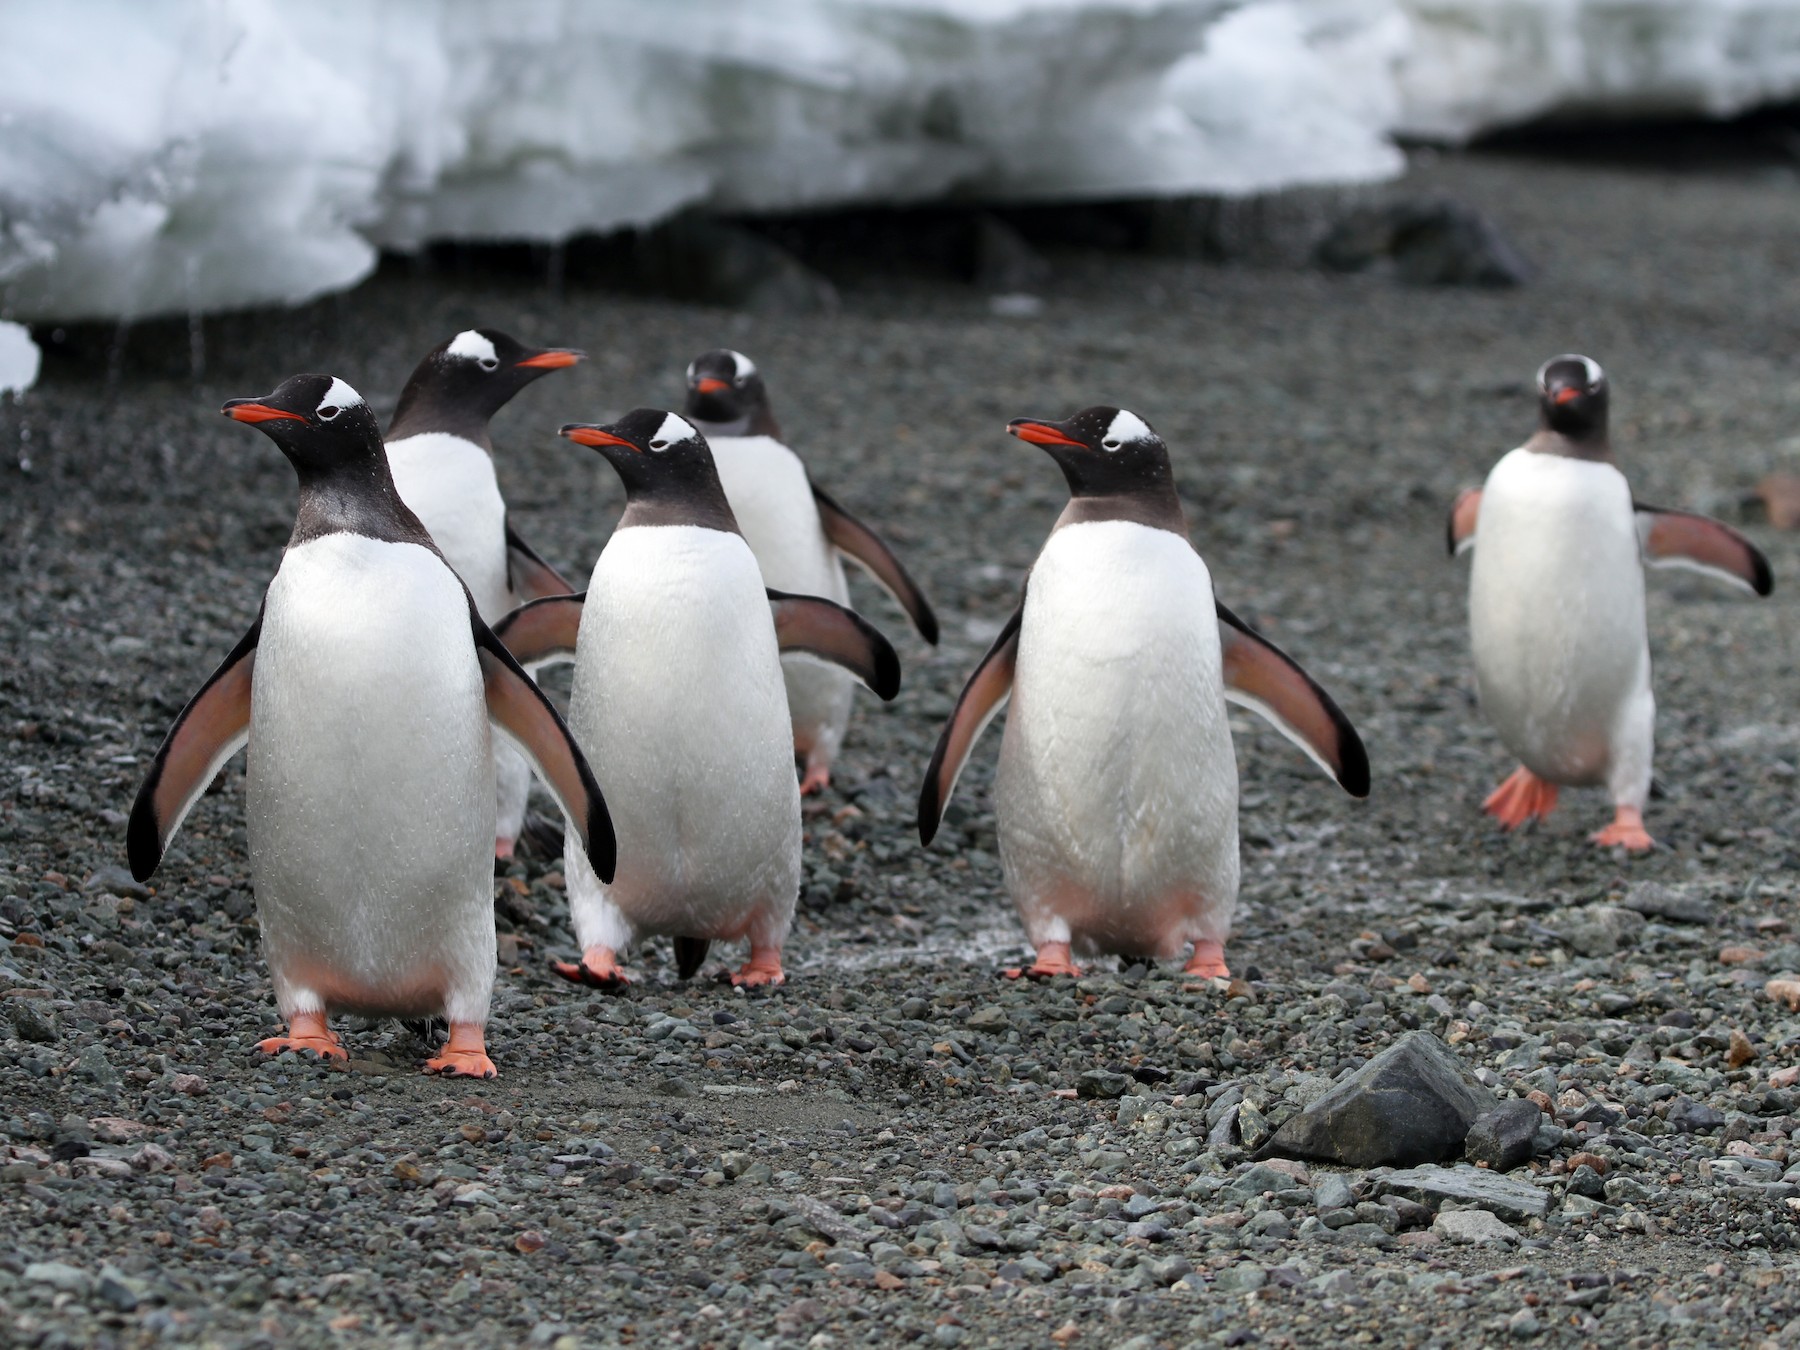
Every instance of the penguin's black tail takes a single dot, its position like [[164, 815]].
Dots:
[[690, 955]]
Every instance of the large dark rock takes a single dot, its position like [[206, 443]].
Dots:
[[1429, 242], [1412, 1103], [1502, 1136]]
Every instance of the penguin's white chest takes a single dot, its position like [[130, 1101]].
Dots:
[[1117, 788], [678, 702], [371, 799], [1556, 611], [449, 483]]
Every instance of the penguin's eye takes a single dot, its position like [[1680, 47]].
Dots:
[[739, 381], [690, 372], [327, 413], [489, 363], [659, 446], [1109, 444]]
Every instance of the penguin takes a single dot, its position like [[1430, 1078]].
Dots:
[[800, 537], [365, 691], [443, 463], [1117, 788], [1556, 605], [678, 698]]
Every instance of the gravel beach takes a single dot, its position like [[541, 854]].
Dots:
[[900, 1145]]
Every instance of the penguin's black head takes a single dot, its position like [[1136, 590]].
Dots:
[[321, 424], [726, 392], [659, 455], [1572, 397], [463, 382], [1103, 452]]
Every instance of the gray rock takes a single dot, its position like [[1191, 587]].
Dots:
[[1503, 1138], [1474, 1225], [1601, 930], [95, 1065], [1100, 1083], [33, 1023], [1584, 1180], [116, 880], [1244, 1279], [1332, 1191], [1687, 1116], [1661, 902], [59, 1275], [1470, 1185], [1429, 241], [1412, 1103]]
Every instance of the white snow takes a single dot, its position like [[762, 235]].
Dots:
[[19, 359], [162, 156]]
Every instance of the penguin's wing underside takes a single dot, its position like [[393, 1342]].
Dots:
[[543, 632], [520, 712], [530, 577], [1459, 531], [982, 698], [1262, 677], [1702, 544], [210, 730], [858, 542], [828, 631]]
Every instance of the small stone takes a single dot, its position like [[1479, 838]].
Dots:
[[31, 1023], [1469, 1185], [1741, 1052], [1523, 1323], [1687, 1116], [1739, 955], [59, 1275], [1412, 1103], [1332, 1191], [1784, 991], [94, 1063], [116, 880], [1474, 1226], [1098, 1083], [1660, 902], [1584, 1180], [1502, 1137], [988, 1018]]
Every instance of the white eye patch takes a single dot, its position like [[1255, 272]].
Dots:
[[745, 366], [472, 346], [337, 398], [673, 431], [1595, 375], [1126, 429]]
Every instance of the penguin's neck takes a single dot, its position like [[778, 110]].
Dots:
[[356, 498], [1591, 444], [1154, 504], [698, 502], [426, 408]]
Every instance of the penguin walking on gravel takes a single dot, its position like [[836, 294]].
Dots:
[[1556, 605], [800, 537], [1117, 788], [442, 460], [678, 698], [365, 691]]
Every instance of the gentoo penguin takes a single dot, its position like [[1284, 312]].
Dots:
[[1556, 605], [799, 536], [364, 691], [443, 463], [1117, 790], [679, 702]]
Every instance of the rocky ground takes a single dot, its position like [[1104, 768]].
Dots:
[[901, 1145]]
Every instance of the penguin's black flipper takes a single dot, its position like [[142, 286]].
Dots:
[[1702, 544], [805, 623], [1265, 679], [982, 697], [690, 955], [1459, 531], [521, 713], [543, 632], [857, 541], [210, 730], [530, 577]]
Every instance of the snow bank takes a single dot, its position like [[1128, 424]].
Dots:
[[19, 358], [162, 156]]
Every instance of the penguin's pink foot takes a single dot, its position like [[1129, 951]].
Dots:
[[1627, 831], [1208, 961], [1052, 960], [816, 779], [306, 1031], [1520, 798], [598, 968], [763, 967], [503, 849], [464, 1055]]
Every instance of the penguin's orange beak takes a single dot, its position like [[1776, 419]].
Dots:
[[709, 385], [554, 359], [586, 435], [1041, 433], [244, 410], [1567, 394]]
